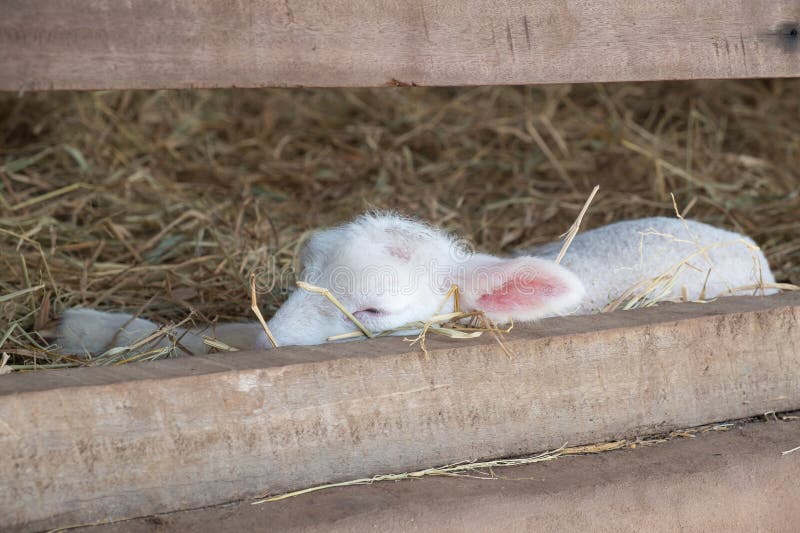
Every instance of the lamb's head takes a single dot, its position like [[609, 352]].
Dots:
[[389, 270]]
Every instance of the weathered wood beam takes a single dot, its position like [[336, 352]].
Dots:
[[107, 44], [736, 480], [98, 443]]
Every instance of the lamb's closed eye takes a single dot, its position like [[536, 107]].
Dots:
[[371, 315], [369, 311]]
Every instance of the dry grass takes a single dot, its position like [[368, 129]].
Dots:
[[163, 203]]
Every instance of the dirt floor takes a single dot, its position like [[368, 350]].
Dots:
[[735, 480], [163, 202]]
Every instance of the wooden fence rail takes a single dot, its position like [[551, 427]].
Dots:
[[108, 44], [108, 443]]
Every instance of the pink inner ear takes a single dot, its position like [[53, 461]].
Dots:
[[399, 252], [522, 292]]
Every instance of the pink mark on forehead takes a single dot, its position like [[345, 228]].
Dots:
[[399, 252], [522, 292]]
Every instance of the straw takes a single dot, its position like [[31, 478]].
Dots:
[[254, 307], [161, 203]]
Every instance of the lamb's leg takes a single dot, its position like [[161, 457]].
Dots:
[[239, 335], [86, 331]]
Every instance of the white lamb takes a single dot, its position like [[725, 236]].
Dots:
[[389, 271]]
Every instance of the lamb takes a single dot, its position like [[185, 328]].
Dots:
[[389, 271]]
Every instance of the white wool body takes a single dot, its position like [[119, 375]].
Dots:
[[389, 271], [697, 261]]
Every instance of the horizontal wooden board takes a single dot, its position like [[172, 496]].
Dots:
[[105, 44], [734, 481], [100, 443]]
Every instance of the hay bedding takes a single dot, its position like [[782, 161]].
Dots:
[[163, 203]]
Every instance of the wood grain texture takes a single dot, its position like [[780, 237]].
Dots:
[[724, 481], [100, 443], [105, 44]]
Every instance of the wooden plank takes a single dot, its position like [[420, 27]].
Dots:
[[72, 44], [93, 444], [735, 480]]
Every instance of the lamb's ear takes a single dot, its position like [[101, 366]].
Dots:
[[524, 288]]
